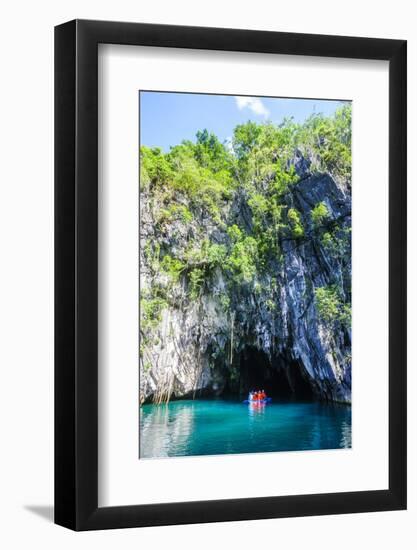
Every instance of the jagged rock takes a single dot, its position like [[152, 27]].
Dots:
[[301, 164], [204, 347]]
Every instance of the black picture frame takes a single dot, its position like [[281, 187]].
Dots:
[[76, 272]]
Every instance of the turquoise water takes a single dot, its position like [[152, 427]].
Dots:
[[218, 426]]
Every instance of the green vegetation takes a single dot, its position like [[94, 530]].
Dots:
[[295, 223], [151, 312], [175, 212], [330, 307], [155, 168], [194, 191], [172, 267], [319, 213], [196, 282], [242, 260], [329, 140]]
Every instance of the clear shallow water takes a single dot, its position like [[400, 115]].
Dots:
[[218, 426]]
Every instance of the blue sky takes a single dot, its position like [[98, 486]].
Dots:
[[167, 118]]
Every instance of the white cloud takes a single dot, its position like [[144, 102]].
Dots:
[[252, 103]]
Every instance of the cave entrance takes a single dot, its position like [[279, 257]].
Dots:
[[280, 378]]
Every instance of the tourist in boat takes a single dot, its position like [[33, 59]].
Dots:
[[253, 396]]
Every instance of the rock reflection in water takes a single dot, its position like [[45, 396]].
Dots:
[[210, 427], [166, 429]]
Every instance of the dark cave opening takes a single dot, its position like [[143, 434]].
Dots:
[[281, 378]]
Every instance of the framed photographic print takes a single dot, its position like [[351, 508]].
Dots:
[[230, 275]]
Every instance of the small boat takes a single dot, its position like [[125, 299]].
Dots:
[[258, 401]]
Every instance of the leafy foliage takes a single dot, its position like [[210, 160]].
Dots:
[[196, 282], [330, 307], [295, 223], [172, 267], [194, 189], [155, 167], [329, 140], [242, 260], [151, 312], [319, 213], [175, 212]]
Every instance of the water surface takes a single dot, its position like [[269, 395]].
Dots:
[[219, 426]]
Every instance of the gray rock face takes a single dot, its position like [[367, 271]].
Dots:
[[270, 329], [301, 164]]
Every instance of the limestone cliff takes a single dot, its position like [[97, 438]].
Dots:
[[248, 297]]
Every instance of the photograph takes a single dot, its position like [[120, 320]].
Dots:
[[208, 274], [245, 274], [209, 266]]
